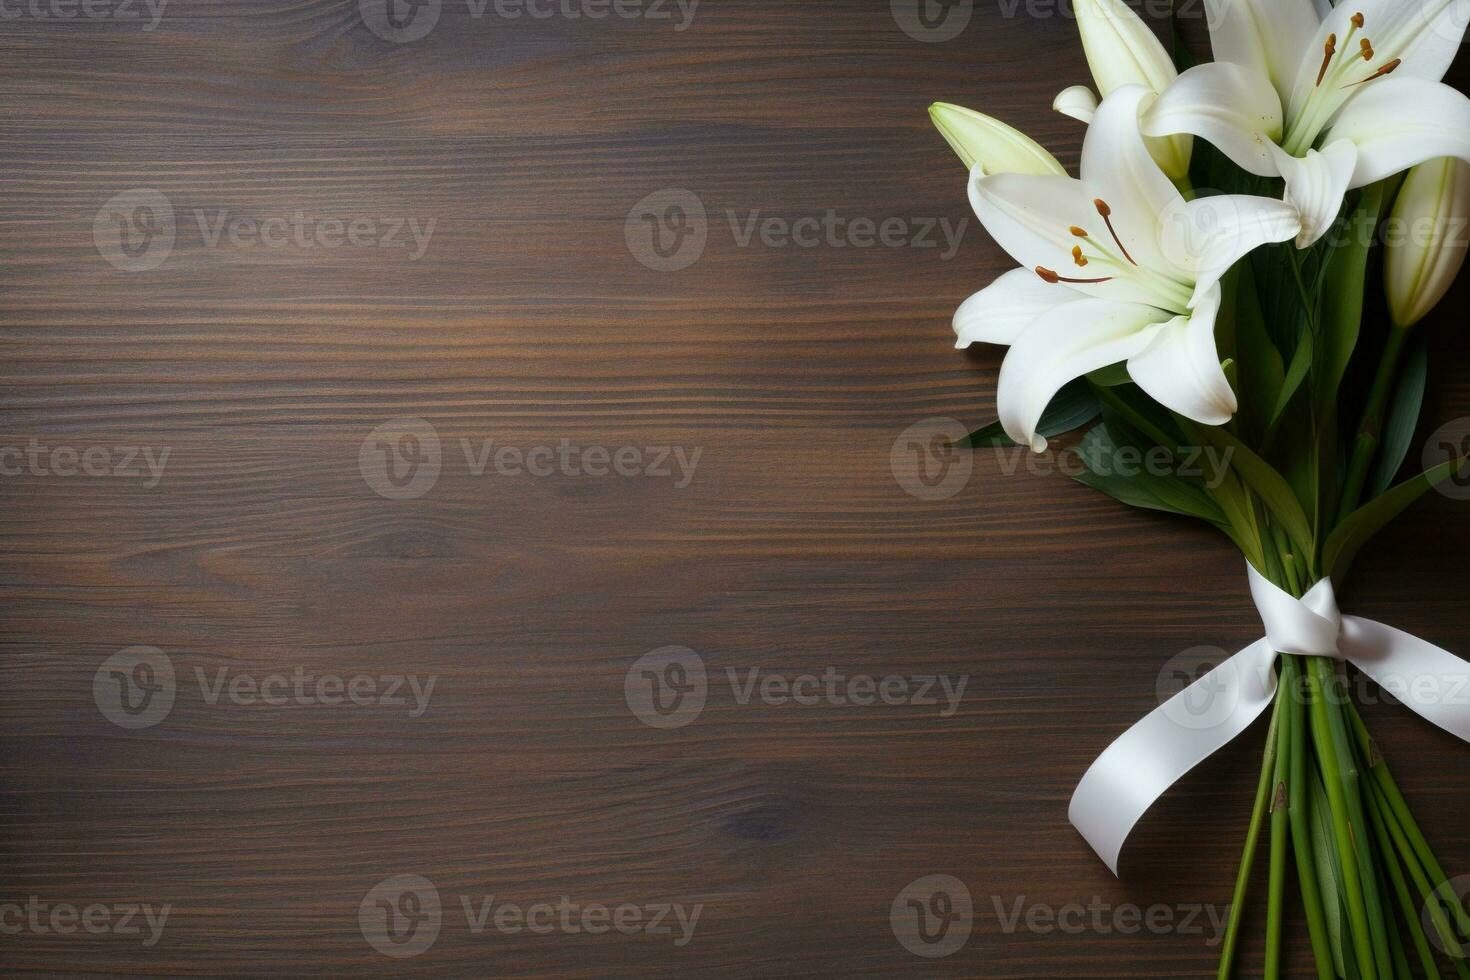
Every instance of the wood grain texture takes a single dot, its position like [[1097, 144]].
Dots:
[[528, 320]]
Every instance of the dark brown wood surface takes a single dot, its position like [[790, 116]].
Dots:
[[529, 320]]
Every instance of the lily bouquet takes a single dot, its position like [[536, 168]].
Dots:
[[1202, 286]]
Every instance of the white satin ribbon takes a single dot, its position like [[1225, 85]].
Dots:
[[1154, 754]]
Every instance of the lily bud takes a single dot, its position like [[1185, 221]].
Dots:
[[1121, 50], [989, 143], [1427, 238]]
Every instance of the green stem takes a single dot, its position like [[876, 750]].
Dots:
[[1353, 790], [1400, 887], [1297, 808], [1417, 854], [1247, 858], [1280, 802], [1425, 888], [1369, 429], [1319, 676]]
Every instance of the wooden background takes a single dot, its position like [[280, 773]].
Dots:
[[529, 320]]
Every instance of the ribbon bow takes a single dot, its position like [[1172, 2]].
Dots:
[[1172, 739]]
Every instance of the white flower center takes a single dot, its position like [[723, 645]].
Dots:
[[1344, 69], [1171, 293]]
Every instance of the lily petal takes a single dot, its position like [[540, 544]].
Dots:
[[1031, 218], [1208, 235], [1029, 215], [1231, 106], [998, 313], [1398, 123], [1078, 102], [1315, 185], [1118, 169], [1268, 37], [1061, 345], [1180, 368]]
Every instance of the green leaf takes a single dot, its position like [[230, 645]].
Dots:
[[1144, 414], [1268, 484], [1402, 417], [991, 435], [1360, 526], [1260, 371], [1072, 408], [1123, 470], [1301, 363], [1342, 297], [1111, 376]]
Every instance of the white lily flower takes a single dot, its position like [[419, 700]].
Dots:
[[990, 144], [1290, 78], [1122, 50], [1117, 266], [1426, 244]]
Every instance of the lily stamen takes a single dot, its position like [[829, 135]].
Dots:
[[1329, 49], [1385, 70], [1048, 275], [1107, 216], [1078, 257], [1367, 47]]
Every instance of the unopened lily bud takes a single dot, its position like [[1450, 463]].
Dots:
[[1121, 50], [990, 143], [1426, 241]]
